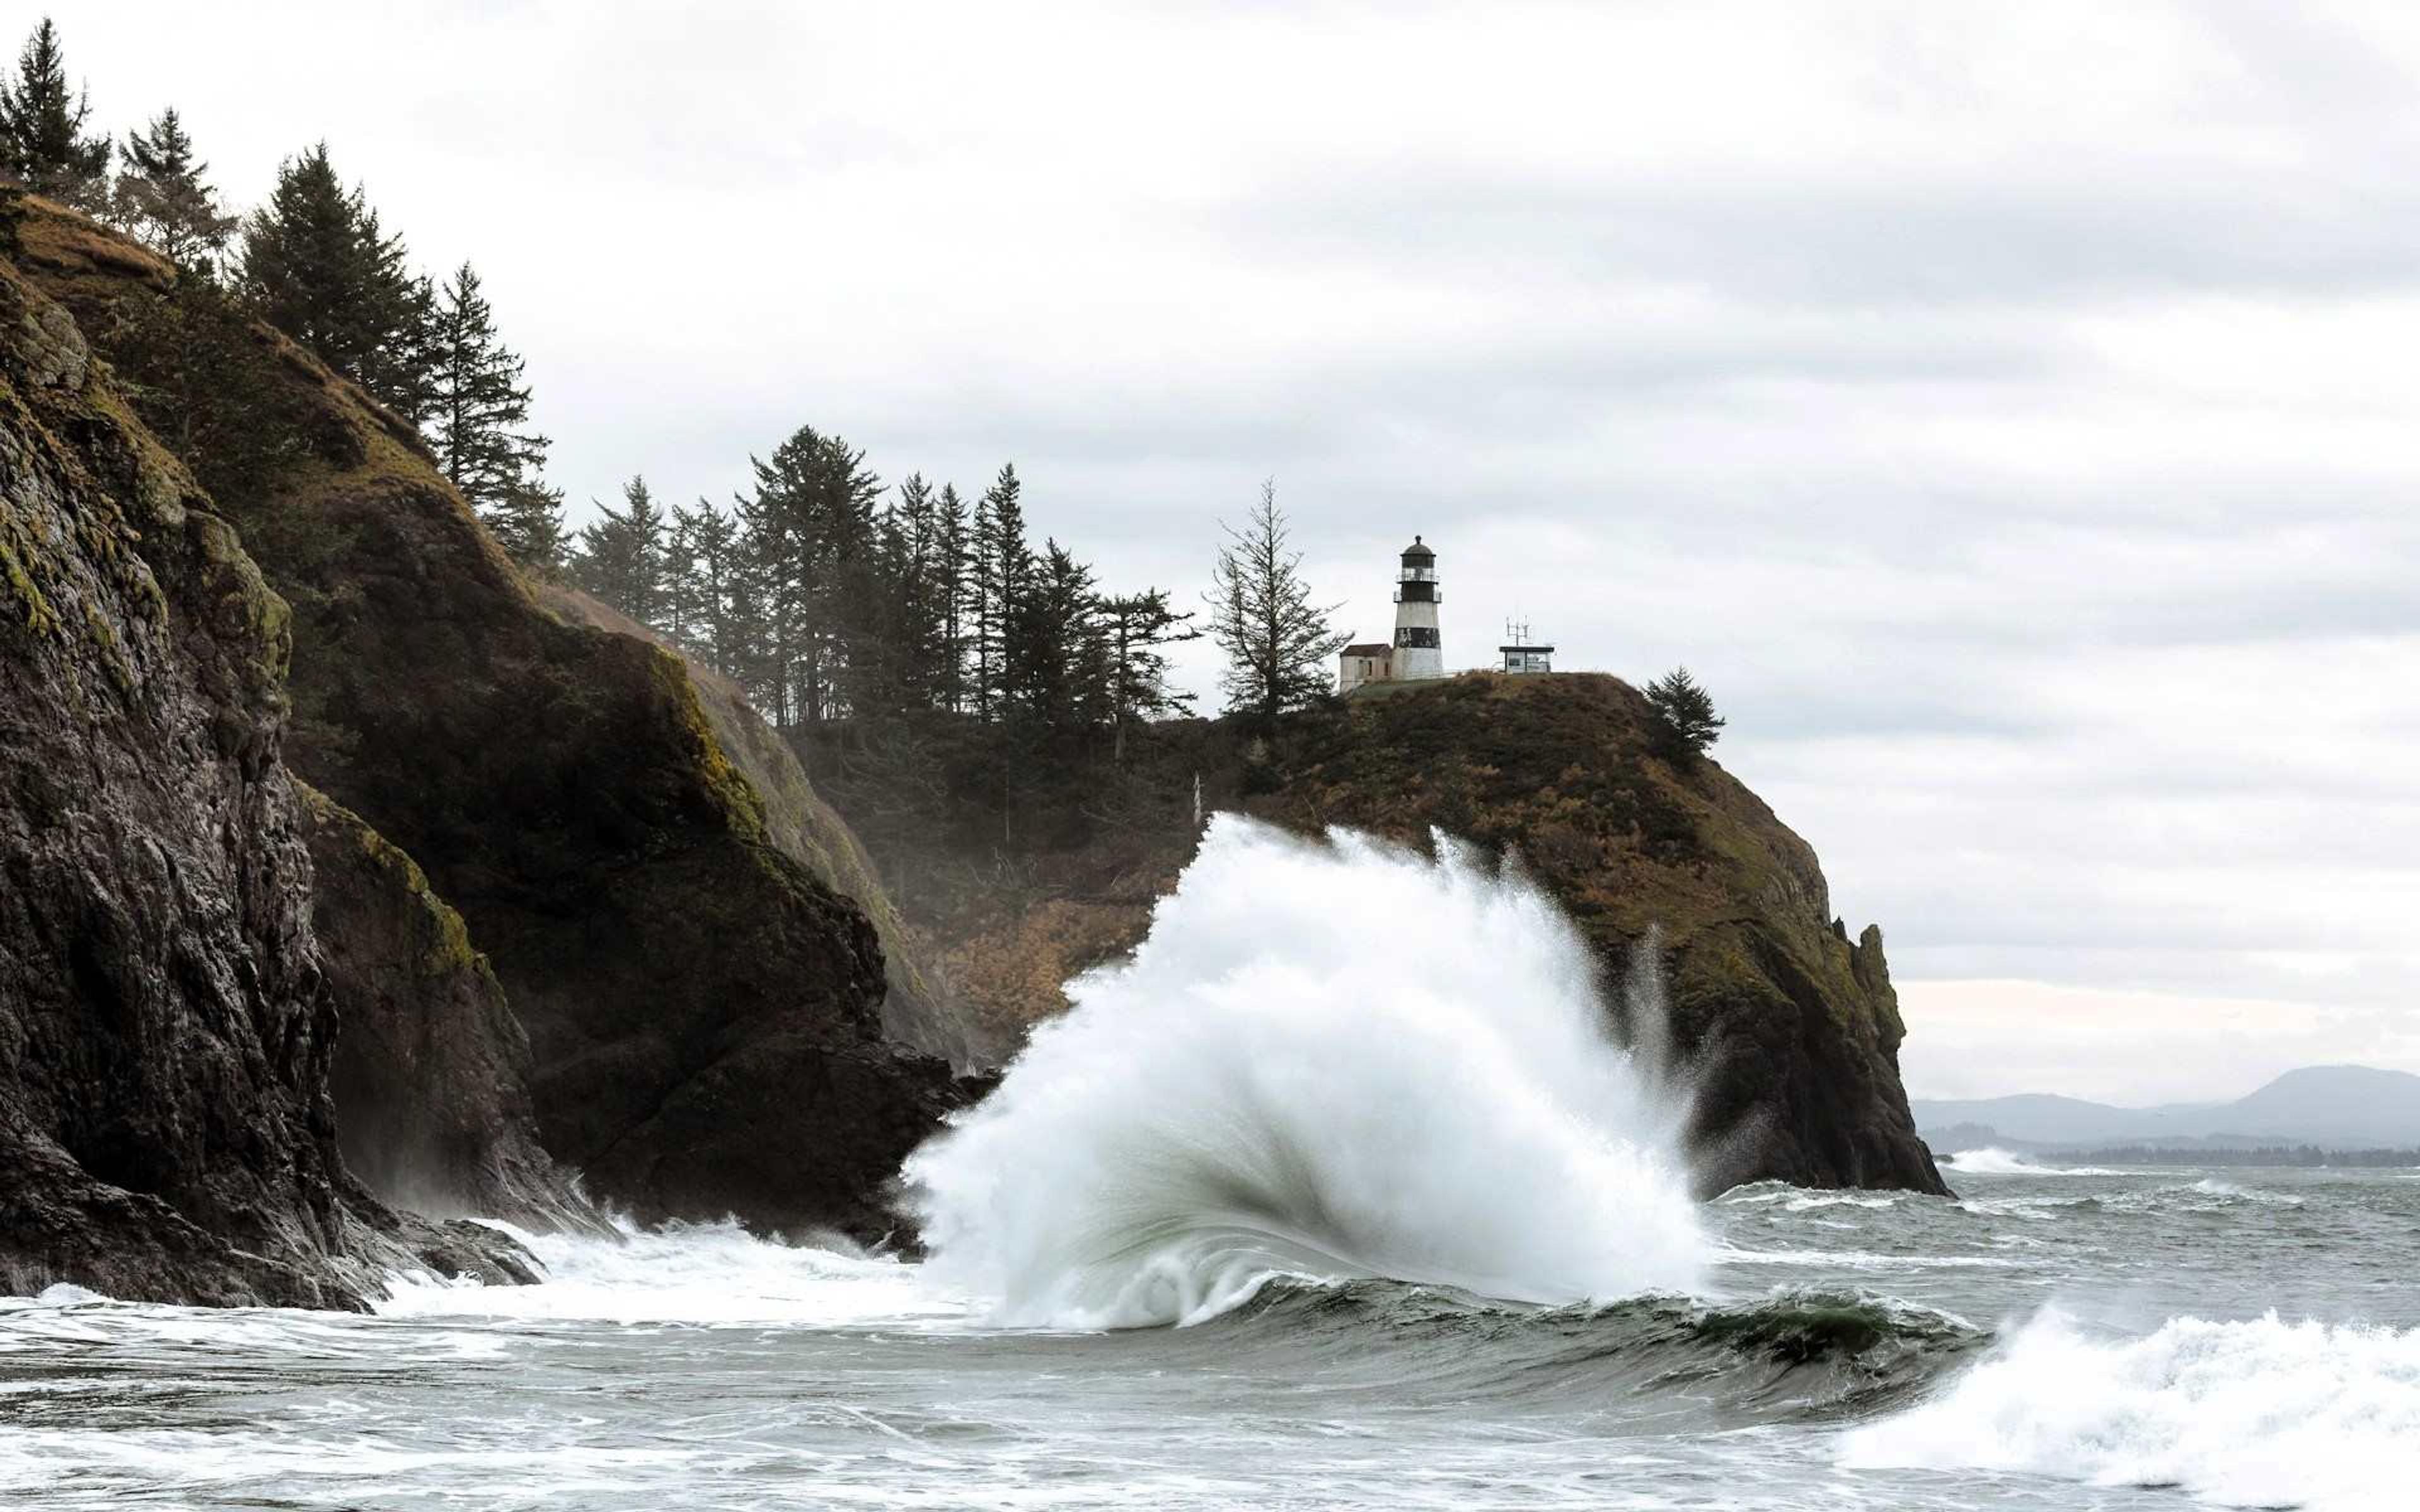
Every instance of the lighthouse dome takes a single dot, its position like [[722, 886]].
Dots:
[[1418, 552]]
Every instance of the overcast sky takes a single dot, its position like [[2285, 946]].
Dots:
[[2007, 411]]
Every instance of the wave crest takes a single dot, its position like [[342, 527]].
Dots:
[[1994, 1161], [1328, 1060]]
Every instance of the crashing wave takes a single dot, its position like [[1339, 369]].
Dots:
[[1326, 1060]]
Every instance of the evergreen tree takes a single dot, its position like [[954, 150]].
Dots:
[[527, 521], [982, 616], [809, 529], [950, 566], [702, 584], [918, 595], [1278, 642], [890, 656], [1002, 565], [478, 406], [1050, 650], [161, 198], [321, 270], [1134, 627], [621, 557], [1685, 713], [43, 141]]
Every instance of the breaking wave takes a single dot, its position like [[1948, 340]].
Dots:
[[2259, 1413], [1992, 1161], [1328, 1060]]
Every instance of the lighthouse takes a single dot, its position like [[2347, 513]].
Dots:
[[1418, 650]]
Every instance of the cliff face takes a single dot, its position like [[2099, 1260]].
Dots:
[[1790, 1031], [808, 831], [166, 1026], [703, 1012], [431, 1071]]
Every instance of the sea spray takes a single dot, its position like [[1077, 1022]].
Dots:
[[1337, 1059]]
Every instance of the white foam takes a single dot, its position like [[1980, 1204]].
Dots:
[[2209, 1187], [690, 1272], [1993, 1161], [1811, 1201], [2258, 1413], [1329, 1059]]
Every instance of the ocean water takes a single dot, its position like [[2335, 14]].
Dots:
[[1270, 1223]]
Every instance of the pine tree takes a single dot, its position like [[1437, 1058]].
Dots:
[[621, 557], [527, 521], [809, 529], [1050, 645], [914, 593], [951, 567], [1134, 627], [698, 583], [478, 406], [1278, 642], [161, 198], [321, 270], [43, 141], [1003, 564], [1685, 713], [982, 650]]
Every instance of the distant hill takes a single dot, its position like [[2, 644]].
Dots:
[[2336, 1106]]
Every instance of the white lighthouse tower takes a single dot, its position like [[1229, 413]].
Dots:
[[1418, 650]]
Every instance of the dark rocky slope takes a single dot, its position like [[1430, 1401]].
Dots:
[[431, 1071], [914, 1011], [703, 1012], [166, 1026]]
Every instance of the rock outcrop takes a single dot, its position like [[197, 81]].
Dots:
[[811, 834], [703, 1012], [431, 1071], [165, 1026]]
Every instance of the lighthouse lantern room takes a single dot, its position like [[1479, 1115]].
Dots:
[[1418, 650]]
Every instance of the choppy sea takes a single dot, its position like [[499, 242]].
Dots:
[[2141, 1338], [1269, 1221]]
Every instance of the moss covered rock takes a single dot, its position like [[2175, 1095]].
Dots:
[[166, 1029], [562, 787], [431, 1070]]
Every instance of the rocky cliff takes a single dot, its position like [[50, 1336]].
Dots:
[[432, 1069], [1788, 1026], [914, 1012], [167, 1028], [703, 1012]]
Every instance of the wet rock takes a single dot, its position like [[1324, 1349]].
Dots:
[[165, 1027], [431, 1070], [564, 788]]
